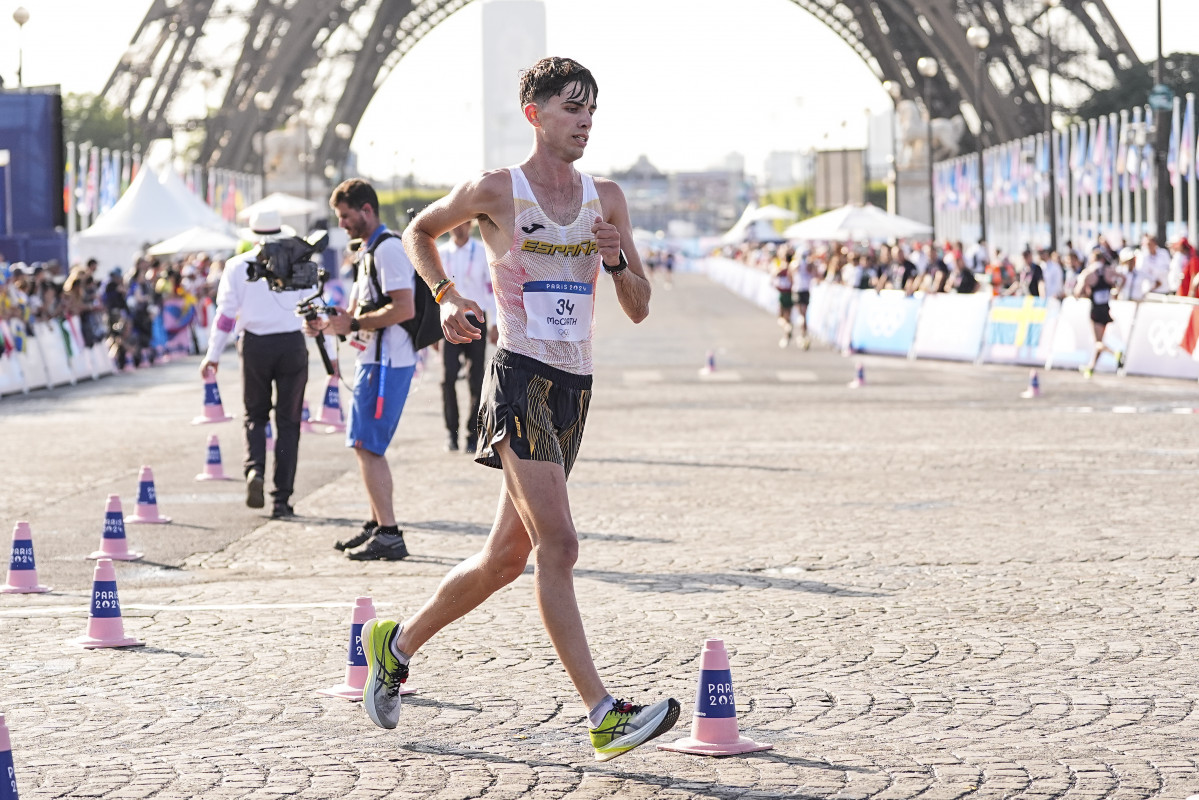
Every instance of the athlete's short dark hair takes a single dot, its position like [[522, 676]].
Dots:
[[355, 193], [549, 76]]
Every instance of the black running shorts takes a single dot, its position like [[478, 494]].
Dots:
[[538, 408], [1101, 313]]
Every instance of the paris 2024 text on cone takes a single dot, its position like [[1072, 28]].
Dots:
[[22, 569], [859, 377], [147, 501], [213, 411], [714, 730], [112, 542], [356, 667], [331, 416], [213, 469], [8, 772], [104, 625], [1034, 386]]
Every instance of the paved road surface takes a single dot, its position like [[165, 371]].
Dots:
[[928, 587]]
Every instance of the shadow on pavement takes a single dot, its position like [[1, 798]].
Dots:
[[716, 582], [698, 464], [694, 788]]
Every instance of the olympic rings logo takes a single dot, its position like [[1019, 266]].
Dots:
[[1165, 338], [886, 322]]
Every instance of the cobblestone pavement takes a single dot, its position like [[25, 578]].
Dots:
[[928, 587]]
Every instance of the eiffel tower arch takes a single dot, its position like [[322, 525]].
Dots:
[[255, 64]]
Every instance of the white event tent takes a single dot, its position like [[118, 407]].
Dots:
[[199, 215], [151, 210], [856, 223], [752, 227]]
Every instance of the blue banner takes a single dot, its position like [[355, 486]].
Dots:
[[22, 554], [885, 323], [104, 599], [357, 658], [714, 697]]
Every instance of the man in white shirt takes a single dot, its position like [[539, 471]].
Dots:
[[1151, 272], [274, 359], [465, 262], [1053, 275], [381, 299]]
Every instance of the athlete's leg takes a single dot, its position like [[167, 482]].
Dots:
[[1100, 328], [376, 476], [500, 562], [538, 492]]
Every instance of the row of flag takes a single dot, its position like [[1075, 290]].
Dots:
[[99, 180], [1181, 157], [1099, 156], [94, 179]]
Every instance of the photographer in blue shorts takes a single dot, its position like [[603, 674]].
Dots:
[[381, 299]]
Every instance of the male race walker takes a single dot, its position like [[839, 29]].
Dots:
[[548, 229]]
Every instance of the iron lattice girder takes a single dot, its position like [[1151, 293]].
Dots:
[[328, 59], [891, 35]]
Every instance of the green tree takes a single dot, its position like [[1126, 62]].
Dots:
[[87, 118], [1132, 87]]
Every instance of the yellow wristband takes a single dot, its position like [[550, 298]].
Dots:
[[442, 292]]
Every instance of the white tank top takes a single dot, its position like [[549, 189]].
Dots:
[[544, 251]]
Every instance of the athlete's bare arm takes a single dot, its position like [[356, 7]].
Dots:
[[487, 198], [632, 288]]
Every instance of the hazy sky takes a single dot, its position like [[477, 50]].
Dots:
[[684, 82]]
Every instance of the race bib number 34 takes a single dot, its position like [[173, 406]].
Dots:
[[558, 310]]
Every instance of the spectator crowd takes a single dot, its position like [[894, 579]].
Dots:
[[949, 267], [140, 313]]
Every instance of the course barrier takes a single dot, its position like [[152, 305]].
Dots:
[[979, 328]]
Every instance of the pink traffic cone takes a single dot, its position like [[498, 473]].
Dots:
[[22, 571], [714, 729], [331, 416], [8, 773], [214, 411], [356, 668], [113, 544], [213, 470], [147, 501], [270, 438], [1034, 386], [104, 625], [306, 420], [859, 377], [709, 364]]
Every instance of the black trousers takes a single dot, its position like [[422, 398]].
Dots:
[[274, 368], [475, 353]]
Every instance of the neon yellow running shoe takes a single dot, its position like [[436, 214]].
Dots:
[[626, 726], [381, 695]]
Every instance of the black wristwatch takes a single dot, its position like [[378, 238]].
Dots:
[[622, 265], [355, 325]]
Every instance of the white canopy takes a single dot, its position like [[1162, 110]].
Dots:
[[856, 223], [749, 228], [288, 205], [772, 212], [197, 211], [147, 212], [196, 240]]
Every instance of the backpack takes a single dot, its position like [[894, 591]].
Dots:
[[425, 326]]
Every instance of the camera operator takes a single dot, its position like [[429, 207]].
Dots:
[[274, 353], [382, 298]]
